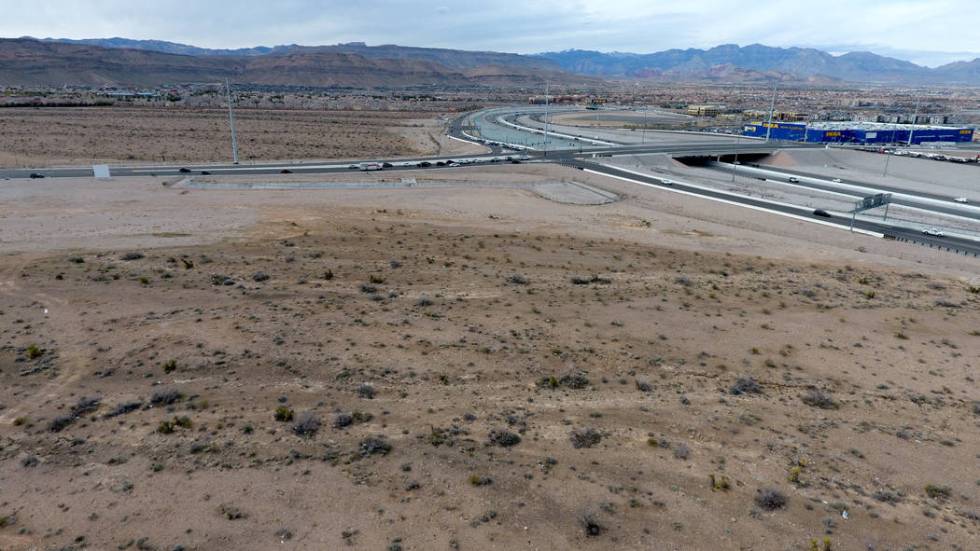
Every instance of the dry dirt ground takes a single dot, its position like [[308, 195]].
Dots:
[[474, 367], [60, 136]]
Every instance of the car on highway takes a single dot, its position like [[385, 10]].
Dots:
[[386, 165], [822, 213], [794, 180], [934, 232], [370, 166], [285, 171], [36, 175], [837, 180], [353, 167], [184, 170], [961, 200], [424, 164]]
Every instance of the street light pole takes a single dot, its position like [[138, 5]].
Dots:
[[231, 122], [547, 91], [772, 110]]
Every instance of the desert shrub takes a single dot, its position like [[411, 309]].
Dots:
[[591, 525], [770, 499], [85, 405], [259, 277], [283, 414], [165, 427], [517, 279], [745, 385], [165, 396], [885, 495], [366, 391], [720, 483], [643, 386], [231, 512], [342, 420], [586, 280], [374, 445], [585, 437], [33, 352], [575, 381], [938, 492], [132, 256], [503, 438], [170, 366], [368, 289], [307, 424], [682, 451], [477, 480], [423, 302], [61, 422], [819, 399]]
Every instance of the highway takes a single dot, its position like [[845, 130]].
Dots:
[[819, 183], [965, 246], [575, 153]]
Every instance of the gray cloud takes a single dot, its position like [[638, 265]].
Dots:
[[928, 31]]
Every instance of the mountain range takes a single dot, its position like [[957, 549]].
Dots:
[[127, 62]]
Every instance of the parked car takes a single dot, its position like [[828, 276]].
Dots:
[[934, 232]]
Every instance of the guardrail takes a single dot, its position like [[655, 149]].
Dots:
[[931, 245]]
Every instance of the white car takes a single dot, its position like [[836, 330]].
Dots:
[[836, 180], [961, 200], [935, 232]]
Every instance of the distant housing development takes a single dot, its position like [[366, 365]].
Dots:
[[858, 132]]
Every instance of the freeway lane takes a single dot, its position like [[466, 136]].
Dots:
[[900, 197], [963, 245]]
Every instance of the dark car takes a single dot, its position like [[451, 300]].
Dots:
[[424, 164], [36, 175], [386, 165], [822, 213], [515, 161], [184, 170], [440, 163], [285, 171], [205, 173]]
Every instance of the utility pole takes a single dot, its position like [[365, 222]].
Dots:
[[772, 110], [547, 90], [915, 116], [231, 122]]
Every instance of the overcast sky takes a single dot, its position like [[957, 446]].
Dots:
[[924, 31]]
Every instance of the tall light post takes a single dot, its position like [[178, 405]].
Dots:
[[772, 110], [547, 91], [914, 116], [231, 122]]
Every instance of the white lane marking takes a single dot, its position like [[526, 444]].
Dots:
[[556, 134], [729, 202], [867, 190]]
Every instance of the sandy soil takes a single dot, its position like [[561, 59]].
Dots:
[[473, 366], [69, 136]]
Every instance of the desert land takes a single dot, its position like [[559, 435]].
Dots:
[[511, 357]]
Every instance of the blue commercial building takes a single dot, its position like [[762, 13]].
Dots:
[[857, 132]]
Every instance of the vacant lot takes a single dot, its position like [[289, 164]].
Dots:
[[475, 368], [52, 136]]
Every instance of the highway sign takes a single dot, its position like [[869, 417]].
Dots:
[[873, 202]]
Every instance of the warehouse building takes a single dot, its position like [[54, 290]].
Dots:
[[857, 132]]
